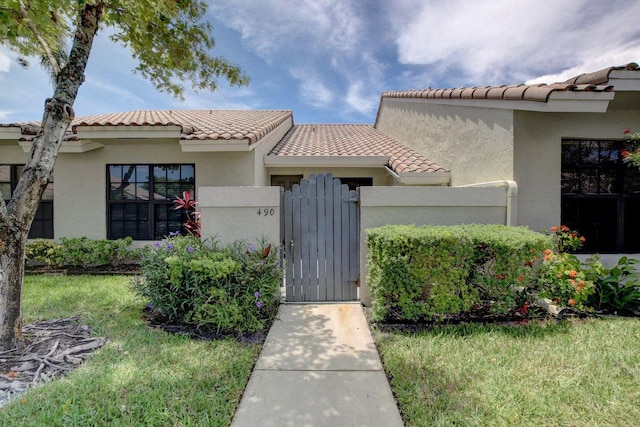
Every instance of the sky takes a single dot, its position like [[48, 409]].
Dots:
[[329, 60]]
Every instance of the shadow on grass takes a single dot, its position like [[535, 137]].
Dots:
[[531, 328]]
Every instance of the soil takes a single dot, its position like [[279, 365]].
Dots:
[[207, 334]]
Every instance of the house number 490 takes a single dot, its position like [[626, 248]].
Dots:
[[266, 212]]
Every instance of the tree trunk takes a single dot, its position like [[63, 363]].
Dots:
[[11, 273], [16, 217]]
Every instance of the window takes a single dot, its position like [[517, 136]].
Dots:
[[141, 198], [42, 225], [601, 195], [354, 183], [285, 181]]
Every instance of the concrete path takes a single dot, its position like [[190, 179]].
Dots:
[[318, 367]]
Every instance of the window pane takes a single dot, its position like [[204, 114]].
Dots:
[[589, 181], [632, 225], [160, 191], [188, 173], [160, 174], [589, 153], [570, 182], [115, 173]]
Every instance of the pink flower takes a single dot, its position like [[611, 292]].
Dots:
[[624, 153]]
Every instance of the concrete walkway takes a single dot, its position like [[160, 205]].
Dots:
[[318, 367]]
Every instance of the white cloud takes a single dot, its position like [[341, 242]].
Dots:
[[312, 90], [620, 56], [274, 26], [502, 40], [360, 100]]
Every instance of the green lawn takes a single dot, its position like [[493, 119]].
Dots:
[[572, 373], [142, 377]]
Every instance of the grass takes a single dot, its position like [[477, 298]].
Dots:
[[142, 377], [572, 373]]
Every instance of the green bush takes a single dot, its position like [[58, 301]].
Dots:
[[563, 280], [79, 252], [616, 289], [42, 252], [232, 290], [505, 264], [425, 273]]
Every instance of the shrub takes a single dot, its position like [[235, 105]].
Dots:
[[420, 273], [563, 280], [42, 252], [83, 252], [79, 252], [504, 265], [231, 290], [616, 289]]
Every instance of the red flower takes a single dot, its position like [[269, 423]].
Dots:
[[626, 131], [624, 153]]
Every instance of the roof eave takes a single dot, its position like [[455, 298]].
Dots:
[[128, 132], [421, 178], [10, 132], [215, 145], [559, 102], [625, 80], [325, 161]]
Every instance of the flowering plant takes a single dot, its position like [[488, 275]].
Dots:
[[564, 281], [566, 239], [188, 204], [632, 157], [562, 278]]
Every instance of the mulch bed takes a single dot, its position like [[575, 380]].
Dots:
[[200, 333], [124, 269], [50, 350]]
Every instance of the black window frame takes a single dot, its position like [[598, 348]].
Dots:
[[600, 194], [42, 224], [152, 217]]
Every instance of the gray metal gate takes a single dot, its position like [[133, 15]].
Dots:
[[320, 235]]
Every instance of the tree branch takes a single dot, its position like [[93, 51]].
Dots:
[[29, 23]]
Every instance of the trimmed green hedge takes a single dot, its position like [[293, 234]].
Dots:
[[428, 272], [79, 252]]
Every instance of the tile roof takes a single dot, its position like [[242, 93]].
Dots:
[[345, 140], [249, 125], [590, 82]]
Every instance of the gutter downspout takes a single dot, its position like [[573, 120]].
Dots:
[[512, 197]]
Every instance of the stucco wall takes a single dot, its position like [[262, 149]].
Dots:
[[426, 205], [476, 144], [12, 154], [240, 213], [537, 156], [80, 204]]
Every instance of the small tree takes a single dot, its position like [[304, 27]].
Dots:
[[171, 43]]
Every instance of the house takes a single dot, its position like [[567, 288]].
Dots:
[[560, 143], [117, 175]]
